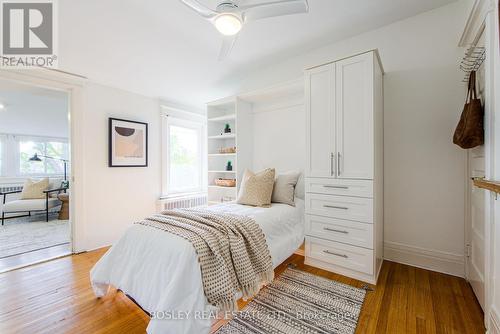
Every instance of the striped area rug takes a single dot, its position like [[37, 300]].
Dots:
[[299, 303]]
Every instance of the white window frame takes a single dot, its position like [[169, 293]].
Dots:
[[3, 146], [11, 167], [177, 117]]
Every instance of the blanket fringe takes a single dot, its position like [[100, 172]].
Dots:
[[228, 305], [253, 288], [248, 291]]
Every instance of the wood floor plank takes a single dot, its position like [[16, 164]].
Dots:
[[56, 297]]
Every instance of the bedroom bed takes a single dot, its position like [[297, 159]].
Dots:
[[160, 270]]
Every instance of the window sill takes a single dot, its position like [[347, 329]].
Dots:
[[182, 195]]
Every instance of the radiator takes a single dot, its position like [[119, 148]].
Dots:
[[10, 188], [182, 202]]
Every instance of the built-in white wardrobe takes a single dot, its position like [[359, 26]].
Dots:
[[344, 166]]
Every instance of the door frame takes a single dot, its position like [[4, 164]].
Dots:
[[482, 20], [73, 85]]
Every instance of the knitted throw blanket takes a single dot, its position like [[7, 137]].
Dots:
[[232, 252]]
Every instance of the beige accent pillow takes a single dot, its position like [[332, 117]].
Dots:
[[284, 188], [34, 189], [257, 189]]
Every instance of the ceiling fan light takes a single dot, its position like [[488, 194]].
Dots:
[[228, 24]]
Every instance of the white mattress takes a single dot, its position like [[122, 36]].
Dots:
[[161, 271]]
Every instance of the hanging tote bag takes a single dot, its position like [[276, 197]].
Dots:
[[470, 131]]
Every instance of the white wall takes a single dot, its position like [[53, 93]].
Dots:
[[277, 143], [424, 95], [116, 197]]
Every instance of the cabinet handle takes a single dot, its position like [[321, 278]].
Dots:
[[335, 207], [336, 187], [336, 254], [334, 230], [338, 163], [332, 163]]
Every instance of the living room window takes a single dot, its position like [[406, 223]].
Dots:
[[2, 139], [22, 148], [56, 149]]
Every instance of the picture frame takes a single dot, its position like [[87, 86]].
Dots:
[[127, 143]]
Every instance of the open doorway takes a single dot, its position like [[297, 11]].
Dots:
[[34, 174]]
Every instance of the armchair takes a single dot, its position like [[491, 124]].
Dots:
[[29, 205]]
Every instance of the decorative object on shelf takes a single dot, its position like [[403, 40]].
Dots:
[[229, 166], [128, 143], [225, 182], [227, 150], [470, 129], [37, 156], [227, 128]]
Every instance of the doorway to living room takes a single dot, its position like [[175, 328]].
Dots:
[[34, 174]]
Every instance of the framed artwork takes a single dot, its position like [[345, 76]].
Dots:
[[128, 143]]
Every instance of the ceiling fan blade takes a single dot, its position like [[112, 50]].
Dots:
[[273, 8], [199, 8], [227, 46]]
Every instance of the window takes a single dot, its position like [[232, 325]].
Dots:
[[2, 150], [27, 147], [183, 156]]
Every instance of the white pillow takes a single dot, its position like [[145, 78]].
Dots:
[[257, 189], [284, 188], [35, 189]]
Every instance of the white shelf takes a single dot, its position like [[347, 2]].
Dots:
[[222, 171], [223, 136], [220, 187], [223, 118], [221, 154]]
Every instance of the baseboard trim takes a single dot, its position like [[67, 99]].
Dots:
[[494, 325], [443, 262]]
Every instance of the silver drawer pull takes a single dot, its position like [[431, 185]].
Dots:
[[336, 254], [334, 230], [335, 207], [336, 187]]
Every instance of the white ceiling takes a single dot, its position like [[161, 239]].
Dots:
[[32, 110], [161, 48]]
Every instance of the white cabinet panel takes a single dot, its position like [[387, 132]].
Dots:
[[342, 207], [320, 121], [358, 188], [354, 117], [345, 231], [350, 257]]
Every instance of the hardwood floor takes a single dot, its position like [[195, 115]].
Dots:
[[36, 256], [56, 297]]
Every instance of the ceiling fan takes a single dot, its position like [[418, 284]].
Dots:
[[229, 17]]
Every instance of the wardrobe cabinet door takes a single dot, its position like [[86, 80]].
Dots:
[[354, 114], [320, 121]]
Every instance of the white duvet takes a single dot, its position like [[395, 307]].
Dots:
[[161, 271]]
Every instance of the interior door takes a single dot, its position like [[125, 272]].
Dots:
[[320, 121], [475, 260], [354, 114], [476, 220]]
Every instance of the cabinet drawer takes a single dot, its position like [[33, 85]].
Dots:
[[347, 256], [360, 188], [346, 231], [342, 207]]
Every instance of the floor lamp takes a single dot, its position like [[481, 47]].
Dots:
[[36, 157]]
